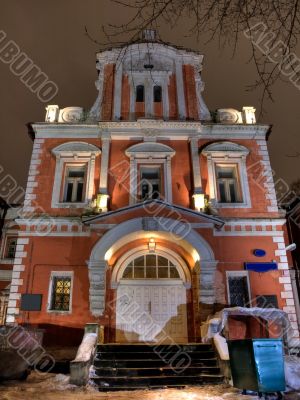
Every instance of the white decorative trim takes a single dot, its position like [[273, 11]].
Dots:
[[54, 274], [74, 153], [268, 173], [150, 153], [196, 165], [104, 164], [227, 153]]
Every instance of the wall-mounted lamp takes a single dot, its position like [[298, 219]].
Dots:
[[102, 200], [151, 245], [199, 201]]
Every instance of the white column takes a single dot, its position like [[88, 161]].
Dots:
[[168, 181], [207, 281], [196, 165], [133, 181], [118, 91], [148, 98], [180, 90], [102, 198], [165, 95]]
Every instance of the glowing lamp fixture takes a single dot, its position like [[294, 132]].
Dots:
[[102, 202], [151, 245], [199, 201]]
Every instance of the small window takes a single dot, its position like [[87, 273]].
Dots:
[[74, 184], [238, 291], [150, 183], [140, 94], [267, 301], [61, 293], [11, 248], [228, 184], [157, 94]]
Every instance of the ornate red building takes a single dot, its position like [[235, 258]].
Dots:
[[148, 200]]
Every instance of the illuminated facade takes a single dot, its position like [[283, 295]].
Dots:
[[147, 200]]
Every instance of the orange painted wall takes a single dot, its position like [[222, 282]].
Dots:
[[190, 92]]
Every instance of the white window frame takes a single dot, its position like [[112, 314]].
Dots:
[[56, 274], [150, 154], [77, 153], [7, 234], [238, 274], [67, 179], [227, 153]]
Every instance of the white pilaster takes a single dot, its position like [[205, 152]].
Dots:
[[180, 90], [118, 91], [196, 166]]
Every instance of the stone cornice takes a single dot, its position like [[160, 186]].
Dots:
[[126, 130]]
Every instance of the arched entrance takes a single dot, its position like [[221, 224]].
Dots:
[[111, 256], [151, 296]]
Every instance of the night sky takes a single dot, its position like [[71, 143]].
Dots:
[[52, 34]]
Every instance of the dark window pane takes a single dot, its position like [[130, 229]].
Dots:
[[267, 301], [157, 94], [150, 175], [61, 294], [238, 289], [139, 261], [222, 192], [69, 191], [151, 272], [232, 193], [162, 261], [79, 191], [163, 272], [150, 260], [226, 173], [174, 273], [139, 94], [128, 273], [76, 173], [139, 272], [11, 248]]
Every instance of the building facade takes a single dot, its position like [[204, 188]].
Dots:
[[147, 214]]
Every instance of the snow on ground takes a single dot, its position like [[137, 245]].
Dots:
[[57, 387]]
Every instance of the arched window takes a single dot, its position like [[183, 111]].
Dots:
[[151, 266], [139, 98], [157, 94]]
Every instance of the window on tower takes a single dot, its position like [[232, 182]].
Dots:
[[11, 245], [157, 94], [74, 184], [140, 94]]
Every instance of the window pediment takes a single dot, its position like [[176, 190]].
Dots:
[[220, 149], [150, 149], [70, 149]]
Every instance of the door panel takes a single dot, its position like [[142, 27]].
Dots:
[[151, 313]]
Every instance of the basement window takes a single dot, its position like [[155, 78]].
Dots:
[[60, 292]]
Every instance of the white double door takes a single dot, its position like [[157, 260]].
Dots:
[[151, 312]]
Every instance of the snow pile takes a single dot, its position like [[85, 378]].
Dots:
[[86, 348], [222, 347], [292, 372]]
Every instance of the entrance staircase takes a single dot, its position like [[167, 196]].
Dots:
[[140, 366]]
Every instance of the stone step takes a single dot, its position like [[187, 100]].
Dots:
[[122, 382], [150, 347], [161, 371], [141, 363], [152, 355]]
